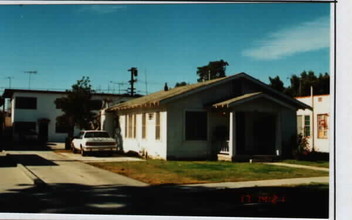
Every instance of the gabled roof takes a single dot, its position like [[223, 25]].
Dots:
[[249, 97], [156, 98], [163, 97]]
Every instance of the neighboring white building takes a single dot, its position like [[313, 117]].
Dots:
[[230, 118], [314, 124], [35, 110]]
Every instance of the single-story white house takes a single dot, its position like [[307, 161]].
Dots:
[[228, 118], [314, 124], [35, 110]]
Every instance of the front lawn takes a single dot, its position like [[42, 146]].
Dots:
[[324, 164], [183, 172]]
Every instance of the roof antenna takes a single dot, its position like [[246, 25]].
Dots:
[[166, 88]]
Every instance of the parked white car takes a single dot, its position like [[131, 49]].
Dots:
[[93, 141]]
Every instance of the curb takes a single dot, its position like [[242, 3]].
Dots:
[[34, 178]]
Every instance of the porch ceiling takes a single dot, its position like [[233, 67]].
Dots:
[[229, 102]]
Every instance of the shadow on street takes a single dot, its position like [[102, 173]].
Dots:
[[304, 201], [31, 160]]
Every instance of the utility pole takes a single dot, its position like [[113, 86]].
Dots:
[[134, 73], [29, 80]]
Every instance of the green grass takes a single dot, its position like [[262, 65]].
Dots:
[[183, 172], [324, 164]]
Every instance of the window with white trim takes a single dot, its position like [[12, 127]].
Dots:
[[157, 125], [307, 126], [144, 125]]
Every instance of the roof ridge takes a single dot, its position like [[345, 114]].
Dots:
[[164, 95]]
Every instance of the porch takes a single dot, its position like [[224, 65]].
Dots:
[[254, 129], [253, 136]]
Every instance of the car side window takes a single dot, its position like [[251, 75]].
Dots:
[[81, 135]]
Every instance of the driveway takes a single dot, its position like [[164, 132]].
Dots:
[[53, 168], [96, 158]]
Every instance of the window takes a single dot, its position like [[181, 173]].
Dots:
[[22, 127], [61, 128], [130, 119], [26, 103], [299, 124], [144, 128], [306, 126], [131, 126], [134, 126], [157, 125], [323, 126], [96, 134], [196, 125]]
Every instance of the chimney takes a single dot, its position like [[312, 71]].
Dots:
[[166, 88]]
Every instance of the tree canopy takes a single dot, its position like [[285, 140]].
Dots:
[[300, 85], [215, 69], [77, 106], [178, 84]]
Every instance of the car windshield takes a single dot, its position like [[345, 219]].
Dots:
[[96, 134]]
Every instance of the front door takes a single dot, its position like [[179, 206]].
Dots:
[[264, 134], [255, 133], [43, 131]]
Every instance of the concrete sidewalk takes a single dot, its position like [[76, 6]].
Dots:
[[246, 184], [299, 166]]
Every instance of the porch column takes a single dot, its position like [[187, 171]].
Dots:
[[278, 141], [232, 135]]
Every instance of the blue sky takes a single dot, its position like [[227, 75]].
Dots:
[[165, 42]]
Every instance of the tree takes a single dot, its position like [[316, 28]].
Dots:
[[301, 85], [213, 70], [178, 84], [77, 107], [276, 83]]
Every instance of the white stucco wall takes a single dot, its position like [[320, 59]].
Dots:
[[46, 108], [150, 145], [321, 106], [178, 146]]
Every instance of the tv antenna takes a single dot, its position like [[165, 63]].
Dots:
[[119, 85], [9, 78], [29, 79]]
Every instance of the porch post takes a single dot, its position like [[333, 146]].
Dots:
[[232, 135]]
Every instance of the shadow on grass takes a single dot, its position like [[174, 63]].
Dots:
[[303, 201]]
